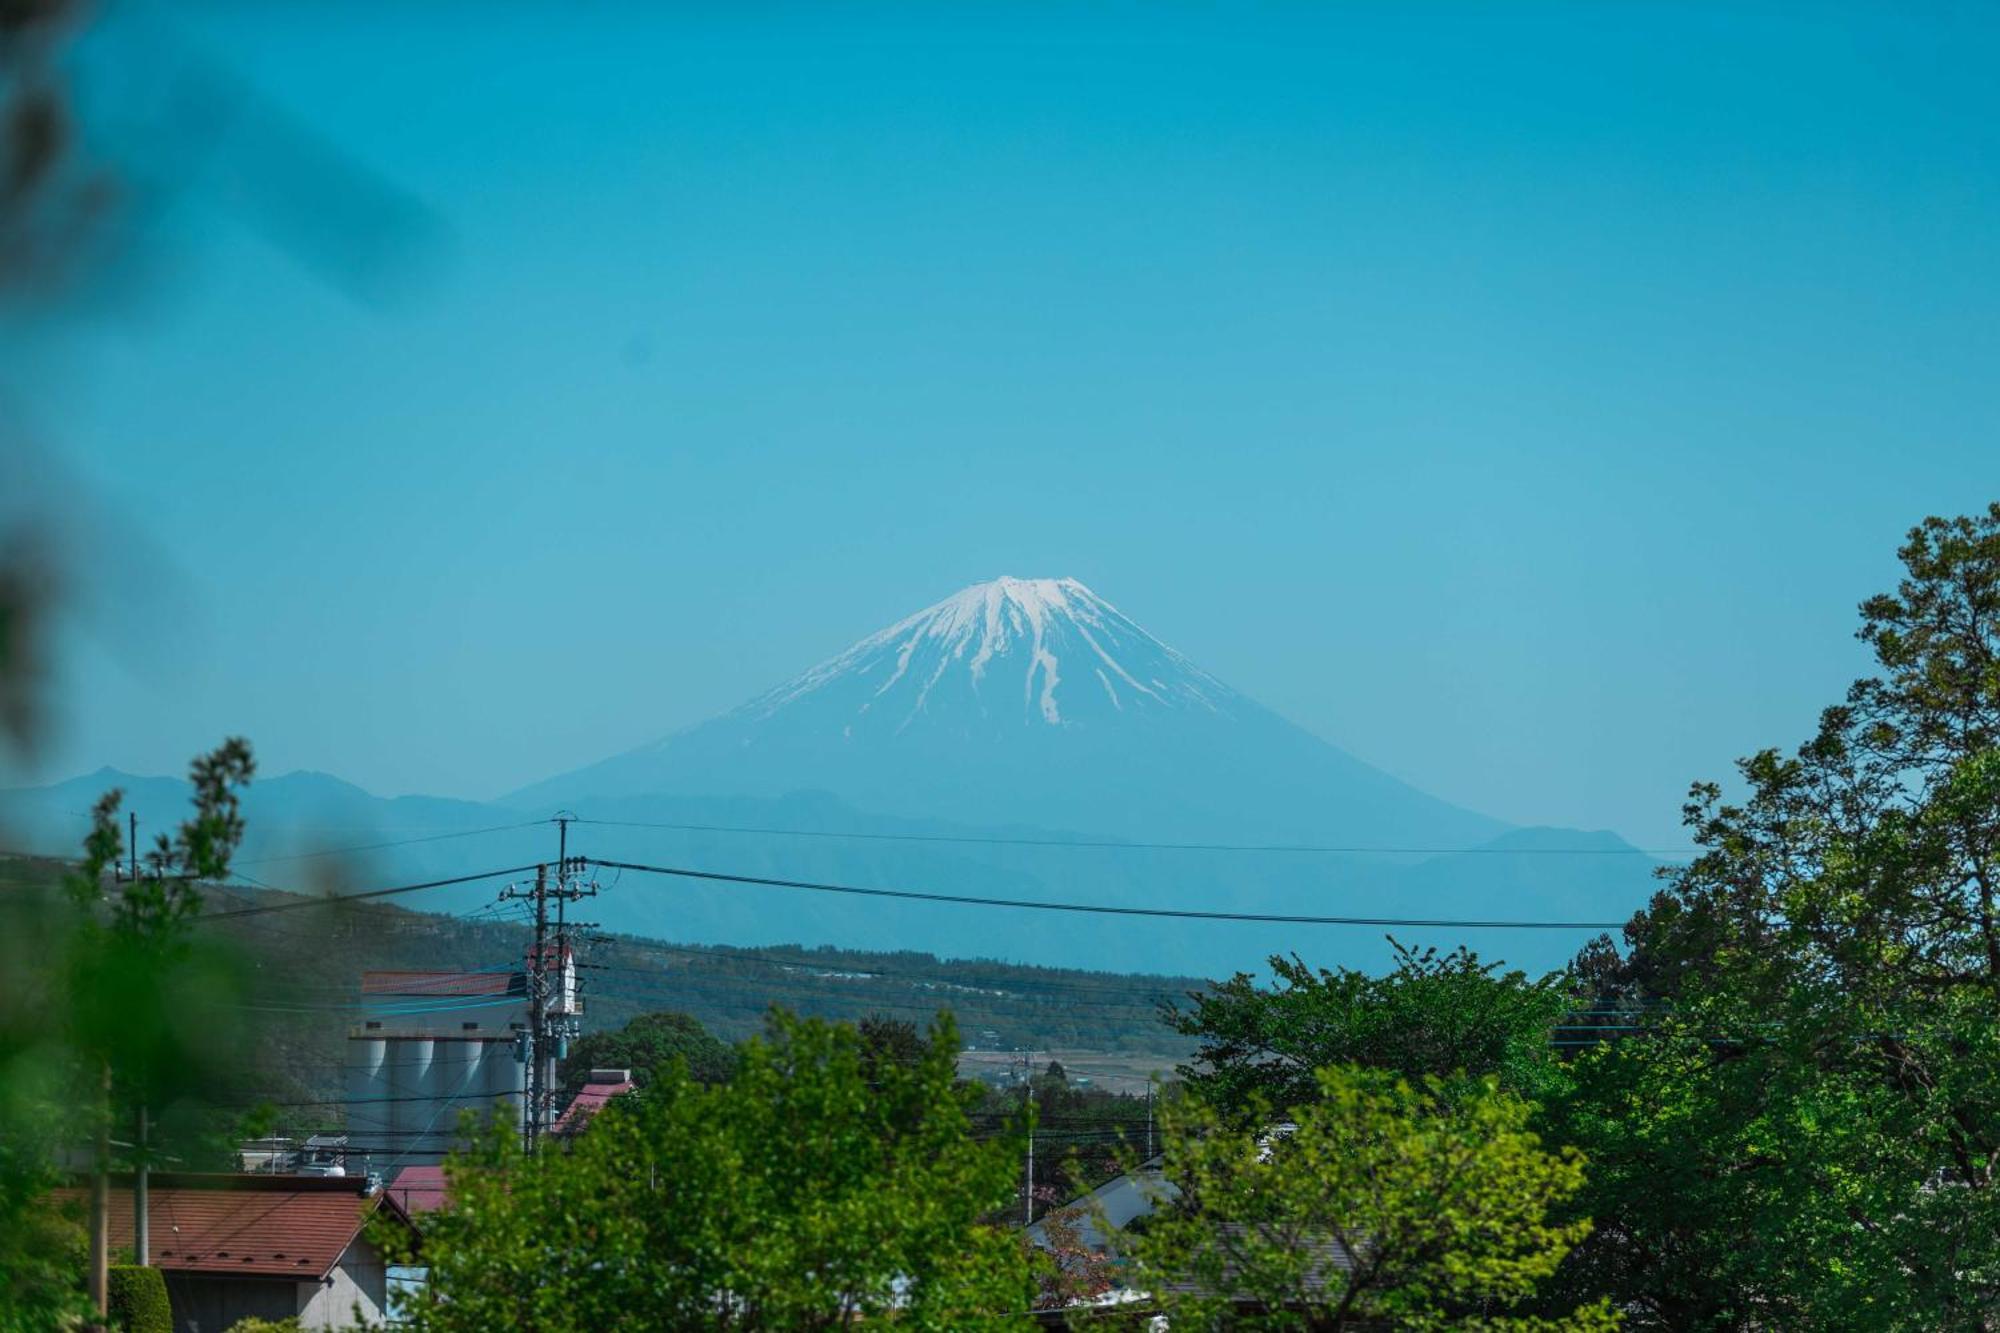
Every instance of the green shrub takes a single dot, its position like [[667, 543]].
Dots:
[[253, 1324], [139, 1300]]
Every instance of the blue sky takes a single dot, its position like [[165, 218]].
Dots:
[[1520, 397]]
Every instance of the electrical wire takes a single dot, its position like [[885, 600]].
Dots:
[[397, 842], [331, 899], [1115, 844], [1103, 909]]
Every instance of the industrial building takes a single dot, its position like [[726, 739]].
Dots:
[[447, 1043]]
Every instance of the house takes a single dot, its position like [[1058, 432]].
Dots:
[[603, 1085], [1118, 1201], [277, 1247], [418, 1189]]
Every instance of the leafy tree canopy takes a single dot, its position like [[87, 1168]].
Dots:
[[1811, 1137], [647, 1045], [808, 1191], [1432, 1015], [1381, 1201]]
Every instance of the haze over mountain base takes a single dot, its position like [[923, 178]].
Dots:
[[934, 756]]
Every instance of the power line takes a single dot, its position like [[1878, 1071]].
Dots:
[[330, 899], [1116, 844], [1104, 909], [398, 842]]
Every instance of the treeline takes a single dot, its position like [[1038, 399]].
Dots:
[[1081, 1134], [305, 968], [1777, 1106]]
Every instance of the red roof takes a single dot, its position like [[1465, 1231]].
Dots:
[[418, 1189], [443, 983], [587, 1104], [252, 1225]]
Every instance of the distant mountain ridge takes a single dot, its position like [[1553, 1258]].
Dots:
[[1022, 738]]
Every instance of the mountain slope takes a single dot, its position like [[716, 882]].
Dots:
[[1033, 701], [293, 822]]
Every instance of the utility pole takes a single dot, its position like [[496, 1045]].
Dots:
[[1028, 1104], [562, 866], [537, 1004], [142, 1249], [1149, 1121], [100, 1175], [1030, 1200], [100, 1209], [541, 1040]]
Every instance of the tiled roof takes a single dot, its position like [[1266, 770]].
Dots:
[[1330, 1262], [418, 1189], [443, 983], [253, 1225], [587, 1104]]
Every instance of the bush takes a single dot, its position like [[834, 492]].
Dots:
[[139, 1300], [253, 1324]]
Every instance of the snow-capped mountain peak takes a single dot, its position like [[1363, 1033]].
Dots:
[[1040, 650], [1032, 702]]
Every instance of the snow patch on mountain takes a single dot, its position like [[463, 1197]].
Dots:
[[979, 636]]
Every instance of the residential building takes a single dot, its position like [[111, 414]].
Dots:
[[603, 1085], [233, 1246]]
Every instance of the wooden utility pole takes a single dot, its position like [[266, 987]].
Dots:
[[100, 1164], [142, 1246], [1028, 1106], [537, 1003], [100, 1205], [142, 1239], [1029, 1220]]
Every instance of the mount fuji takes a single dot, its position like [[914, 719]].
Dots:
[[1020, 739], [1034, 701]]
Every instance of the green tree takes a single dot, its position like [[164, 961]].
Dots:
[[110, 1002], [807, 1192], [1432, 1014], [647, 1045], [889, 1040], [1812, 1139], [41, 1250], [1381, 1200], [143, 990]]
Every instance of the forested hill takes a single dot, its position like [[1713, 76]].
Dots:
[[308, 961]]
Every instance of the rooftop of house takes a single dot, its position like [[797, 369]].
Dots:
[[261, 1226], [418, 1189], [604, 1084]]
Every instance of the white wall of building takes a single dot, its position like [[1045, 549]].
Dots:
[[360, 1281]]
